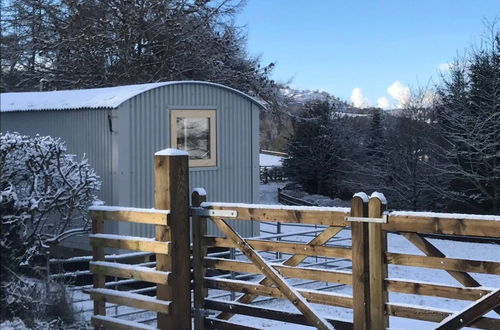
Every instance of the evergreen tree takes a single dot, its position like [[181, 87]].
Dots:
[[313, 154], [468, 120]]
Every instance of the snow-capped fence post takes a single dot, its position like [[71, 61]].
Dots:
[[360, 263], [199, 231], [378, 268], [172, 193]]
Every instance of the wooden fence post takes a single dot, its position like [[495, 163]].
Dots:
[[172, 193], [360, 263], [378, 268], [99, 280], [199, 225]]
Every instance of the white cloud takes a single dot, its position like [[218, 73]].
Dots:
[[358, 100], [383, 103], [444, 67], [400, 93]]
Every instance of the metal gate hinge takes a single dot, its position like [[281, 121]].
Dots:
[[383, 219], [198, 211]]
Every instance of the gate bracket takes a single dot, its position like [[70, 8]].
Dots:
[[198, 211], [383, 219]]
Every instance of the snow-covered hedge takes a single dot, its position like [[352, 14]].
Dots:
[[44, 195]]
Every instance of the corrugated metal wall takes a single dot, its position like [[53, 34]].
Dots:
[[141, 126], [86, 132], [234, 179]]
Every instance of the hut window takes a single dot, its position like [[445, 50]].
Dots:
[[195, 132]]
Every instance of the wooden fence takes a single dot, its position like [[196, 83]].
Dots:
[[369, 224], [170, 245]]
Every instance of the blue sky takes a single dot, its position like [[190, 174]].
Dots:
[[336, 46]]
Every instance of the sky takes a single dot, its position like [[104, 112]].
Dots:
[[366, 52]]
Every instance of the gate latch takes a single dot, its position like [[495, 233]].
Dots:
[[198, 211]]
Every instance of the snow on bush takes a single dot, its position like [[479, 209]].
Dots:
[[45, 194]]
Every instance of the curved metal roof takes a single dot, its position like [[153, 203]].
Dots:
[[95, 98]]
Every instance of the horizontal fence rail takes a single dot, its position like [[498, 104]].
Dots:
[[100, 268]]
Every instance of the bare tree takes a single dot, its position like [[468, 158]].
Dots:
[[81, 44]]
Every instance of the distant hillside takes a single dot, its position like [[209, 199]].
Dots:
[[300, 97], [275, 129]]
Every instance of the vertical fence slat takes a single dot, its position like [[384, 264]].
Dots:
[[378, 267], [172, 193], [199, 230], [98, 255], [360, 264]]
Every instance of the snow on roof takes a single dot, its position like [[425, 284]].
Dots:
[[95, 98], [270, 160]]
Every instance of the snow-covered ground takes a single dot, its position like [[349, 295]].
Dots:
[[270, 160]]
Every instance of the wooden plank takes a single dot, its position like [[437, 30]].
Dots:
[[360, 266], [309, 215], [172, 193], [475, 266], [292, 261], [147, 216], [106, 322], [437, 315], [441, 225], [268, 313], [378, 267], [297, 300], [130, 299], [199, 225], [312, 296], [284, 247], [430, 250], [472, 313], [129, 271], [130, 243], [329, 276], [435, 290], [211, 323], [99, 281]]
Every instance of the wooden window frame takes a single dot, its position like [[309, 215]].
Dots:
[[188, 113]]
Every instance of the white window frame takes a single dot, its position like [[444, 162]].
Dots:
[[211, 115]]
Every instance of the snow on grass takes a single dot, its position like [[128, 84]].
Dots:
[[270, 160]]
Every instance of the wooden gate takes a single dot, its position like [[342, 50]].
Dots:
[[370, 226]]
